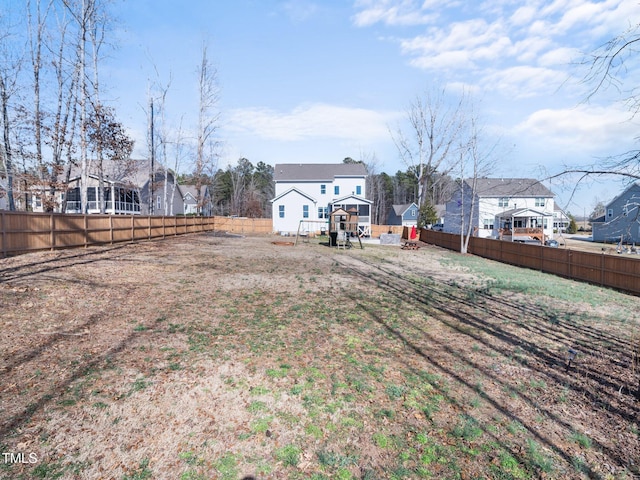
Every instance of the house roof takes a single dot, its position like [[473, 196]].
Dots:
[[624, 192], [510, 187], [291, 172], [355, 197], [300, 192], [135, 171], [523, 212], [191, 191], [399, 210]]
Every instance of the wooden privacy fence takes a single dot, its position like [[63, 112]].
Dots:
[[242, 225], [621, 272], [24, 232]]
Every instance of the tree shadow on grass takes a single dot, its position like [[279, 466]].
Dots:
[[479, 316]]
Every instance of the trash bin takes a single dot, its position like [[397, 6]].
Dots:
[[333, 239]]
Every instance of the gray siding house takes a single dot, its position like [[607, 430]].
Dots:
[[406, 215], [621, 221]]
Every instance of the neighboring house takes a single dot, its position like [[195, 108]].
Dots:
[[192, 205], [165, 199], [517, 209], [310, 192], [621, 221], [405, 215], [127, 191], [561, 220]]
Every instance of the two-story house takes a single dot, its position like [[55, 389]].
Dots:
[[517, 209], [306, 194], [621, 221]]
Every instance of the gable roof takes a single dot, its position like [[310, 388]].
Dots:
[[523, 212], [635, 185], [291, 172], [399, 210], [293, 189], [510, 187], [355, 197]]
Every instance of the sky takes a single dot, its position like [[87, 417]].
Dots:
[[304, 81]]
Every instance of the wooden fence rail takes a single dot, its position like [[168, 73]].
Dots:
[[25, 232], [615, 271], [22, 232]]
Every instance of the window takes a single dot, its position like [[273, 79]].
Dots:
[[414, 212], [158, 204], [503, 202], [305, 211], [358, 190], [336, 190], [323, 189], [539, 202], [488, 223], [281, 211], [610, 212], [323, 212]]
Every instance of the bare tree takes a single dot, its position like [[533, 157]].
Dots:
[[476, 161], [9, 72], [433, 134], [84, 13], [208, 122], [36, 28], [61, 130], [607, 68]]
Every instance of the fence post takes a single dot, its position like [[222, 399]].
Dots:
[[86, 231], [52, 234], [111, 228], [3, 231], [133, 230]]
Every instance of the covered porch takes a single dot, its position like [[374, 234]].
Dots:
[[360, 210], [119, 198], [523, 224]]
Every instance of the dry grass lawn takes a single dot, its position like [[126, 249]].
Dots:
[[205, 357]]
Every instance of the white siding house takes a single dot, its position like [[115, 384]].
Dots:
[[308, 193], [517, 209]]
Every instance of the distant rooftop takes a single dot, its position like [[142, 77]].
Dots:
[[290, 172], [511, 187]]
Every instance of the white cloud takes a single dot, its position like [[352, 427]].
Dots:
[[500, 34], [390, 12], [312, 122], [523, 16], [299, 10], [558, 57], [594, 129], [461, 46], [523, 81]]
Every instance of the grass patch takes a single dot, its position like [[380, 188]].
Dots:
[[581, 439], [143, 472], [289, 455]]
